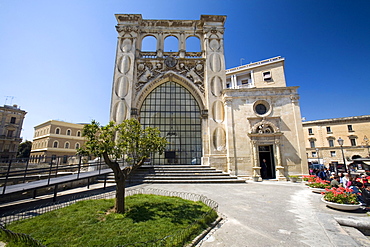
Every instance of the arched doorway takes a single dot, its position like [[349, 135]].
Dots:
[[174, 111]]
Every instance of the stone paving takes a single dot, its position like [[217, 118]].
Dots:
[[269, 213], [272, 214]]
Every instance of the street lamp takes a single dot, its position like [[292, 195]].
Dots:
[[318, 157], [340, 142]]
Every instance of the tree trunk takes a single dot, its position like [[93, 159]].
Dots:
[[120, 179], [120, 195]]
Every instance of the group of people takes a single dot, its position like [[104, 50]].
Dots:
[[359, 184]]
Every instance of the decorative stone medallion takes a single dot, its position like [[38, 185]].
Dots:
[[170, 62]]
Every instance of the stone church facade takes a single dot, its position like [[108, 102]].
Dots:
[[233, 120]]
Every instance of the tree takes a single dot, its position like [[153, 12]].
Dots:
[[127, 143], [24, 149]]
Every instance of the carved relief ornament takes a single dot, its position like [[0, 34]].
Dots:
[[264, 127], [126, 29], [148, 71]]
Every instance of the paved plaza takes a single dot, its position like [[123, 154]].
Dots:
[[267, 213], [273, 214]]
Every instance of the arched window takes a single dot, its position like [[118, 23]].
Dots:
[[149, 43], [68, 132], [78, 133], [66, 145], [171, 44], [57, 131], [55, 144], [175, 112], [193, 44], [77, 145]]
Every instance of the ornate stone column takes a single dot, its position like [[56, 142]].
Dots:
[[160, 44], [256, 167], [182, 44], [230, 137], [279, 167]]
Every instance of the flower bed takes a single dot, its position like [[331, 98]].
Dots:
[[344, 207], [316, 182], [340, 195], [308, 178]]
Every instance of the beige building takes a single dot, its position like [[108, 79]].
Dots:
[[11, 122], [235, 120], [321, 139], [56, 139]]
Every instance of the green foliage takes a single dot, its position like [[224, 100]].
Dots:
[[24, 149], [92, 223], [319, 185], [127, 140]]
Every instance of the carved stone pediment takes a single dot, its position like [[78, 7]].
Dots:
[[264, 127], [193, 69]]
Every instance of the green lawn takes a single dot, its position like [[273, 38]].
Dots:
[[91, 223]]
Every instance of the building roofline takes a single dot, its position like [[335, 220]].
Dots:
[[14, 108], [254, 65], [57, 122], [354, 118]]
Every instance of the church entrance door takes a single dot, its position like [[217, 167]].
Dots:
[[266, 159]]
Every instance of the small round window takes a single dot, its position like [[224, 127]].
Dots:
[[261, 109]]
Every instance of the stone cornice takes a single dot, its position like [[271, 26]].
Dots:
[[125, 18], [193, 25], [59, 137], [267, 91], [250, 66], [364, 118], [59, 124], [213, 18]]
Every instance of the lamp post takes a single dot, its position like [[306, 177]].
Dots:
[[318, 157], [340, 142]]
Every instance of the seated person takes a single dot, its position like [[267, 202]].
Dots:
[[335, 182], [366, 195], [355, 187]]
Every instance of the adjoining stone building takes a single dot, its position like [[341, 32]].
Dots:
[[55, 138], [11, 118], [228, 119], [321, 139]]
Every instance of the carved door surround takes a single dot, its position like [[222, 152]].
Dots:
[[264, 133]]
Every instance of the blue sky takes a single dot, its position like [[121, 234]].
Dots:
[[57, 57]]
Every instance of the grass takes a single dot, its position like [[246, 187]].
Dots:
[[92, 222]]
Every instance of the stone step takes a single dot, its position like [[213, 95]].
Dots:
[[111, 175], [176, 174], [195, 168], [194, 181], [154, 177]]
